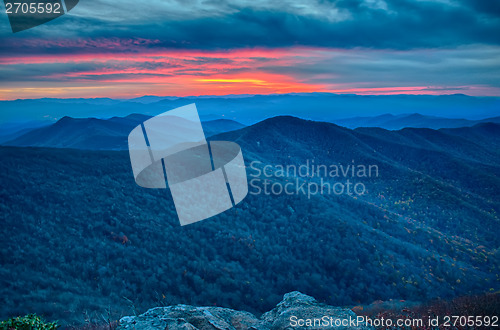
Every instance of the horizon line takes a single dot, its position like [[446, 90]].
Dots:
[[243, 95]]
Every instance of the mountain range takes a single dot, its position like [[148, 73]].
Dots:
[[416, 120], [250, 109], [99, 134], [111, 134], [78, 230]]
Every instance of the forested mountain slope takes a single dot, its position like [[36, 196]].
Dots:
[[80, 235]]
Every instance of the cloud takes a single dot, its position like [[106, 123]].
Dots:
[[181, 47], [472, 69], [131, 26], [462, 66]]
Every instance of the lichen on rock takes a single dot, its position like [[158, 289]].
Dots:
[[295, 305]]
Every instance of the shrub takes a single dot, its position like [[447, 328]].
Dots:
[[28, 322]]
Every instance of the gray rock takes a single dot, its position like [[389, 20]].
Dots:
[[294, 308], [297, 307], [190, 317]]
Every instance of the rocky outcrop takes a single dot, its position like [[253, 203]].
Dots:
[[295, 311]]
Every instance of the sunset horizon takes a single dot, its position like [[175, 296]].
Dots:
[[371, 47], [239, 71]]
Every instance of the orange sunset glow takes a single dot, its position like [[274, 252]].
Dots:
[[195, 72]]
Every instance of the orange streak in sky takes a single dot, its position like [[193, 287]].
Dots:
[[188, 72]]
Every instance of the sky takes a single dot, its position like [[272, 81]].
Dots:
[[130, 48]]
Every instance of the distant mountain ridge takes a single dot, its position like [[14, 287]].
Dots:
[[416, 120], [476, 143], [10, 131], [111, 134], [249, 109], [100, 134]]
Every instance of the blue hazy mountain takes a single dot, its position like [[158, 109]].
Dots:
[[396, 122], [82, 133], [10, 131], [249, 109], [217, 126], [99, 134], [427, 227], [92, 101], [147, 99]]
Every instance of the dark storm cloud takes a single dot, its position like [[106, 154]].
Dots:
[[394, 24], [112, 69], [257, 46], [489, 7], [465, 65]]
